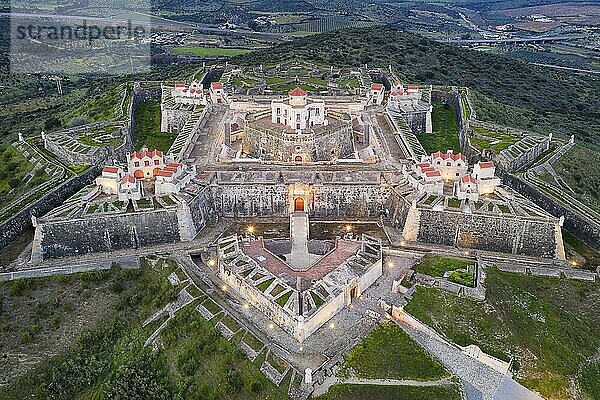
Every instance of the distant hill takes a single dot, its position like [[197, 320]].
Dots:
[[509, 91]]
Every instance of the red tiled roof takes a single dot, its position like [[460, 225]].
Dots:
[[180, 85], [170, 169], [216, 85], [112, 170], [163, 172], [445, 156], [128, 179], [433, 173], [486, 164], [427, 169], [174, 164], [413, 87], [468, 178], [142, 154], [376, 86], [298, 92], [425, 164]]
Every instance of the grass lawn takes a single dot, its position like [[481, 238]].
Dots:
[[388, 352], [436, 265], [549, 326], [208, 51], [147, 128], [579, 168], [13, 168], [375, 392], [445, 130]]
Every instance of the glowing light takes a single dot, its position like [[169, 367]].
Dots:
[[403, 243], [390, 264], [301, 348], [224, 288], [348, 228], [250, 229], [466, 253], [332, 325], [574, 263], [211, 262], [351, 306], [271, 326], [246, 306]]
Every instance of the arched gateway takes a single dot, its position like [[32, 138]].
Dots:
[[299, 204]]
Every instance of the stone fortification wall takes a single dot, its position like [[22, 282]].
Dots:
[[396, 210], [251, 200], [201, 209], [14, 227], [346, 200], [105, 233], [267, 141], [417, 122], [491, 233], [96, 155], [586, 230]]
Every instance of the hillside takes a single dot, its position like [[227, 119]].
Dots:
[[526, 96]]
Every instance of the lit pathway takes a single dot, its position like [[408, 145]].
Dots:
[[299, 258]]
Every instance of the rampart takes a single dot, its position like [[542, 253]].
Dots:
[[520, 236]]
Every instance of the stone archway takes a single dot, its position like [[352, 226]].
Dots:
[[156, 171], [138, 173], [298, 159], [299, 204]]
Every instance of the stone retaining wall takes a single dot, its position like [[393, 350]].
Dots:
[[14, 227], [583, 228], [491, 233]]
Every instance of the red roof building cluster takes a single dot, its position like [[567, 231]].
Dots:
[[216, 85]]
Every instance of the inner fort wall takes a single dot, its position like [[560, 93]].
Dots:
[[491, 233]]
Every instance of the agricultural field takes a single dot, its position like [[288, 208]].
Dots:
[[549, 327], [445, 130]]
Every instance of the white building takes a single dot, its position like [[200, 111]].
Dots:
[[425, 178], [452, 166], [173, 178], [466, 188], [192, 94], [144, 163], [484, 173], [298, 111], [217, 93], [130, 188], [376, 94], [109, 180]]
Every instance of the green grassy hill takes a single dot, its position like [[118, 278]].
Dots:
[[508, 91]]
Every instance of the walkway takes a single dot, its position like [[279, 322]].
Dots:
[[299, 258]]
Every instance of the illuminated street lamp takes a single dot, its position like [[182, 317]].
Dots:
[[348, 228], [211, 262], [250, 229]]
